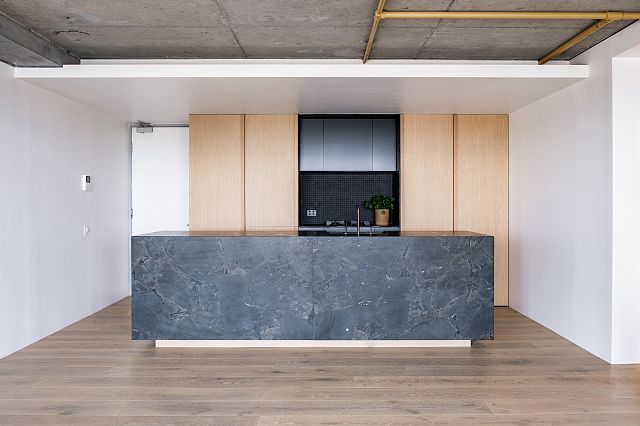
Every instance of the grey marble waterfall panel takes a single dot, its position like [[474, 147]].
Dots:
[[312, 287]]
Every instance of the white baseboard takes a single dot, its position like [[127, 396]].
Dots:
[[313, 343]]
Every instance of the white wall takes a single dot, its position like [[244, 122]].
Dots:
[[50, 276], [561, 194], [626, 211], [160, 180]]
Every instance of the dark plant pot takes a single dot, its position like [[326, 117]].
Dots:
[[382, 217]]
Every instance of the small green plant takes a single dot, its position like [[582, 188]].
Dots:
[[379, 202]]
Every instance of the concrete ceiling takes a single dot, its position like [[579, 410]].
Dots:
[[281, 29]]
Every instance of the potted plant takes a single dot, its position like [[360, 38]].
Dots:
[[382, 205]]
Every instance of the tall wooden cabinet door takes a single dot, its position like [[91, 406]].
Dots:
[[271, 172], [426, 172], [481, 163], [216, 173]]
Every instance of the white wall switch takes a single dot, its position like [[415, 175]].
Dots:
[[312, 213], [86, 183]]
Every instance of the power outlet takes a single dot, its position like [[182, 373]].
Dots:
[[312, 213]]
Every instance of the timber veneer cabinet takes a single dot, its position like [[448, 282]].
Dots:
[[216, 173], [271, 172], [243, 172]]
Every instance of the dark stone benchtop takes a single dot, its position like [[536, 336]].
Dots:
[[309, 234], [312, 286]]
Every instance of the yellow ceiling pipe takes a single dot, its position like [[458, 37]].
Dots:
[[374, 29], [603, 18], [611, 16], [573, 41]]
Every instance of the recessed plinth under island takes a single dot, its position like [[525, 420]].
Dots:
[[315, 289]]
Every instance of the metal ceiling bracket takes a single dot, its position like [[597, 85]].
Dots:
[[603, 19]]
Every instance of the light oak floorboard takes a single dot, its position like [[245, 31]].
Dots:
[[91, 373]]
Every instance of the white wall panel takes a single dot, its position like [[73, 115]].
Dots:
[[625, 334], [561, 211], [50, 275]]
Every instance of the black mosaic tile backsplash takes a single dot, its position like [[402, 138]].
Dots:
[[334, 195]]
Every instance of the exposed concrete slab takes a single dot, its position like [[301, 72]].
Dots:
[[145, 42], [329, 29], [296, 13], [284, 29], [23, 47], [300, 42], [114, 13], [515, 43], [398, 43]]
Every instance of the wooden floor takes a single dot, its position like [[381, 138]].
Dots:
[[91, 374]]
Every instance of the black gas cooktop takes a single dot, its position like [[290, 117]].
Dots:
[[348, 222]]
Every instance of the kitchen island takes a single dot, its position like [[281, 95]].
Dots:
[[312, 286]]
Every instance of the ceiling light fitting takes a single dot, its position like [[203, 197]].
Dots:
[[603, 19]]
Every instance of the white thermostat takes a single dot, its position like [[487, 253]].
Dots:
[[86, 183]]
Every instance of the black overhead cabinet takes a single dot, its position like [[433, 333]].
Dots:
[[348, 144]]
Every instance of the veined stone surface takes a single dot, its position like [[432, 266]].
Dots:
[[312, 287]]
